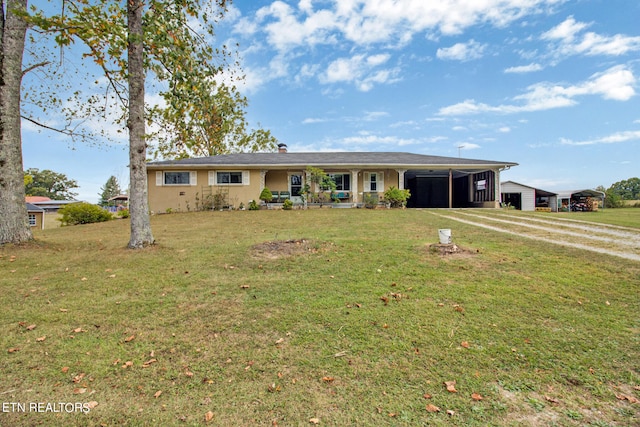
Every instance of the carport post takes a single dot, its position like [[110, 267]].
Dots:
[[450, 188]]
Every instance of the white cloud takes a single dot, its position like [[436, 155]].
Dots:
[[504, 129], [570, 41], [524, 68], [383, 22], [462, 51], [467, 146], [371, 116], [617, 83], [610, 139], [359, 69], [312, 120]]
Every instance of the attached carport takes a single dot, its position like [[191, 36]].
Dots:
[[451, 188]]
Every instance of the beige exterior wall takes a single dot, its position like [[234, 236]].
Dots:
[[39, 217], [189, 197]]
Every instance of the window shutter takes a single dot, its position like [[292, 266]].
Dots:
[[193, 178], [245, 177], [159, 176], [380, 182], [367, 182], [212, 178]]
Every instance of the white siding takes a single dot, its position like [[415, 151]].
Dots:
[[528, 194]]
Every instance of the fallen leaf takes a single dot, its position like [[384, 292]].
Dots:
[[148, 362], [630, 399], [91, 404], [64, 310], [385, 300], [30, 327], [130, 338], [157, 394], [13, 350], [83, 279], [451, 413], [280, 341], [208, 416], [244, 286], [79, 390], [465, 344], [42, 338], [432, 408], [427, 396], [551, 399], [188, 373], [392, 414], [451, 386], [314, 421], [65, 369], [112, 276], [127, 364], [78, 330], [476, 396], [328, 379], [78, 377]]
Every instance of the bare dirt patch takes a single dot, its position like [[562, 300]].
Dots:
[[450, 250], [285, 248]]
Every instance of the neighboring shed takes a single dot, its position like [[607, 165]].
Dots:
[[526, 198], [36, 216]]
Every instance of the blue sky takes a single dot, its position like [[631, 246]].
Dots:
[[549, 84]]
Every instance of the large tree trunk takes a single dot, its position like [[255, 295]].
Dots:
[[14, 223], [138, 201]]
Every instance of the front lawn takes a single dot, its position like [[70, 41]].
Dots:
[[334, 317]]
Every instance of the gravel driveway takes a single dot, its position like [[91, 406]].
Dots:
[[623, 242]]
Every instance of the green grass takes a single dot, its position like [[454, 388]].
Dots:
[[546, 335]]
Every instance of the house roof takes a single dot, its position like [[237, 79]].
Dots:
[[33, 208], [538, 191], [36, 199], [581, 193], [328, 159]]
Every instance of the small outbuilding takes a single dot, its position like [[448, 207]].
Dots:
[[36, 216], [526, 198]]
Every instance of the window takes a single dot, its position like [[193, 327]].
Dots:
[[32, 220], [295, 184], [342, 180], [373, 182], [229, 178], [177, 178]]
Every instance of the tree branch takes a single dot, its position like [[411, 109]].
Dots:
[[34, 66]]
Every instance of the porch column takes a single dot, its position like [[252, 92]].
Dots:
[[401, 178], [354, 184], [497, 198], [450, 188], [263, 175]]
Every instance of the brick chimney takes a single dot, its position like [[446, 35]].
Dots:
[[282, 148]]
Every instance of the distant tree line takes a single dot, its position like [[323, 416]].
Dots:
[[628, 189]]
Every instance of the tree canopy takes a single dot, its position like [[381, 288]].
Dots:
[[110, 189], [47, 183], [628, 189]]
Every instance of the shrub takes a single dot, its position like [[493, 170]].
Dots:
[[83, 213], [287, 205], [123, 213], [396, 197], [253, 205], [266, 195]]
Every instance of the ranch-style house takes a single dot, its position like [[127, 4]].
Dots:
[[234, 179]]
